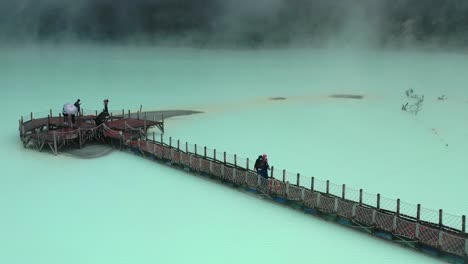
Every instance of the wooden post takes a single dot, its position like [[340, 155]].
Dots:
[[328, 186], [22, 120], [204, 151], [214, 154], [343, 191], [284, 175], [235, 160], [272, 170], [48, 122], [123, 113], [79, 134], [360, 196], [312, 180], [418, 212], [378, 201], [162, 139], [138, 115], [141, 106], [96, 112], [145, 115], [463, 224], [195, 149], [128, 114], [178, 145], [398, 207], [224, 157], [186, 147], [247, 164], [111, 116], [31, 116], [298, 179], [55, 143], [440, 218], [125, 125], [50, 112], [170, 142]]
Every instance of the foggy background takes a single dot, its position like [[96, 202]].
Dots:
[[244, 23]]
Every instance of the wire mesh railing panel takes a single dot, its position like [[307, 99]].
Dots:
[[293, 193], [453, 244], [310, 198], [428, 235], [194, 163], [429, 215], [364, 215], [369, 199], [305, 181], [205, 166], [452, 221], [230, 158], [405, 228], [209, 153], [220, 156], [384, 221], [200, 150], [388, 204], [335, 189], [251, 179], [239, 176], [184, 159], [278, 188], [228, 174], [352, 194], [326, 204], [320, 186], [175, 156], [407, 209], [217, 169], [190, 148], [242, 162], [263, 185], [291, 178], [345, 209], [167, 155]]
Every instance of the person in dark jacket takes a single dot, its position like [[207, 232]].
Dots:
[[77, 104], [265, 166], [259, 164]]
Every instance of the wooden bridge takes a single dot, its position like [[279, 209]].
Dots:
[[430, 231]]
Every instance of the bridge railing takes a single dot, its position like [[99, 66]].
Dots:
[[412, 222]]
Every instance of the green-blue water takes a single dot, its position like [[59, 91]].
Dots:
[[125, 209]]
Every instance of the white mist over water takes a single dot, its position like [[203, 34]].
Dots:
[[121, 208]]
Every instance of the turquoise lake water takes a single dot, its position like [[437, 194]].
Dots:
[[124, 209]]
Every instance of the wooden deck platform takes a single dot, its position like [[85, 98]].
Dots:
[[55, 132]]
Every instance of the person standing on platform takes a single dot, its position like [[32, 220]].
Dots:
[[266, 166], [259, 165], [106, 102], [69, 110], [78, 106]]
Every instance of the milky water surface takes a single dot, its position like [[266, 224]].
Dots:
[[121, 208]]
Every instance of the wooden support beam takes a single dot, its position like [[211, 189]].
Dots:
[[328, 186], [224, 157], [312, 182], [195, 149], [178, 145], [343, 192], [204, 151], [235, 160], [463, 229], [298, 179], [272, 171], [360, 196], [284, 175]]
